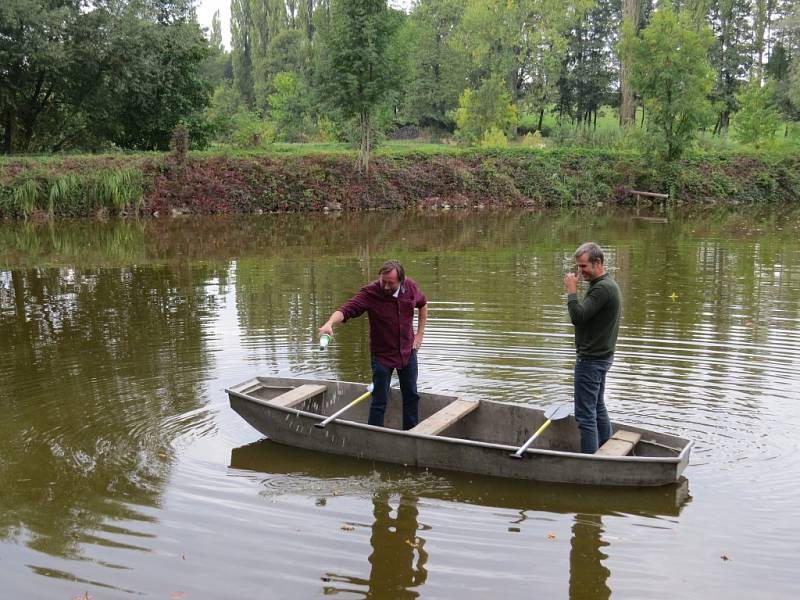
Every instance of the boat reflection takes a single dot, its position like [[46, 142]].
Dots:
[[365, 476], [398, 559]]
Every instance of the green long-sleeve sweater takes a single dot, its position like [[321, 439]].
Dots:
[[596, 319]]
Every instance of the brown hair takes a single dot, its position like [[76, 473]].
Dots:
[[393, 265]]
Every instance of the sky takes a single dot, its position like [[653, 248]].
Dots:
[[205, 12], [207, 8]]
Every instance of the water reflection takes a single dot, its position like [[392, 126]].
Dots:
[[397, 562], [117, 339], [286, 470], [123, 242], [94, 364], [588, 577], [398, 555]]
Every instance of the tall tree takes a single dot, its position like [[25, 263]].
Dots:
[[588, 68], [437, 71], [242, 49], [355, 74], [217, 69], [761, 18], [522, 42], [731, 54], [757, 119], [632, 19], [77, 75], [669, 68]]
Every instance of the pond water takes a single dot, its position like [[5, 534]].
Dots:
[[124, 472]]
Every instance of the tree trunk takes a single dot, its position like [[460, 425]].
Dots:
[[541, 118], [631, 11], [724, 120], [362, 163], [8, 131], [763, 8]]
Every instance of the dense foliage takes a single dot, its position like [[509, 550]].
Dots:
[[74, 75], [106, 74]]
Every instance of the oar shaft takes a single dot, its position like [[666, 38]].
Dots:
[[346, 408], [521, 450]]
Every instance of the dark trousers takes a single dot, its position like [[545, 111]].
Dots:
[[590, 409], [381, 377]]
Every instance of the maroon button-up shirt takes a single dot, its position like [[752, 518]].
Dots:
[[391, 320]]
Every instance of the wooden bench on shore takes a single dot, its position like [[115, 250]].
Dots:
[[443, 418], [619, 444], [640, 193]]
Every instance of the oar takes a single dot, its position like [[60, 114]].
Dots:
[[553, 413], [366, 394]]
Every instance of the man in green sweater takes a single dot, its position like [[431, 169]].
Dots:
[[596, 321]]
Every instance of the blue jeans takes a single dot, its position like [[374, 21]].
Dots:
[[590, 410], [381, 376]]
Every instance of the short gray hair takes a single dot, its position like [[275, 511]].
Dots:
[[594, 251]]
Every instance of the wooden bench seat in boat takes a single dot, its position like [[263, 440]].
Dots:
[[443, 418], [297, 395], [619, 444]]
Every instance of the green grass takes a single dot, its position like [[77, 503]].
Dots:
[[25, 197], [118, 189]]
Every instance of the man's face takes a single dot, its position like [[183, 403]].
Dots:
[[389, 282], [587, 269]]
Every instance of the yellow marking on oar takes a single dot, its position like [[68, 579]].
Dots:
[[346, 408]]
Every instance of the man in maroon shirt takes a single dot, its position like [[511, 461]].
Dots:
[[390, 302]]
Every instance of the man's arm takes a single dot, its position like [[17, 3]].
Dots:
[[327, 328], [580, 312], [349, 310], [422, 320]]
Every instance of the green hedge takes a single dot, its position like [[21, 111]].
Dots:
[[212, 184]]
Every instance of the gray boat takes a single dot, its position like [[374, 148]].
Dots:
[[471, 436]]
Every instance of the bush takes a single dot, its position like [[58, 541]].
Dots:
[[480, 110], [532, 140], [494, 138]]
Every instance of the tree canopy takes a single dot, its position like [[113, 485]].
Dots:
[[123, 74], [113, 72]]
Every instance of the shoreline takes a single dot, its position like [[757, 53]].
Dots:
[[158, 185]]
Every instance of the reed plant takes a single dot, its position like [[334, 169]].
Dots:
[[65, 191], [119, 190], [26, 196]]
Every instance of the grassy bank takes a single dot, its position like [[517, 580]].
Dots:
[[295, 179]]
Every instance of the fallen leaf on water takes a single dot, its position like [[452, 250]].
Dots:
[[725, 557], [347, 527], [183, 557], [177, 594], [85, 596], [551, 536]]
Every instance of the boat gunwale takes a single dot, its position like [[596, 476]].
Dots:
[[464, 441]]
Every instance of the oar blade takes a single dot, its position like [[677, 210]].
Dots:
[[558, 411]]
